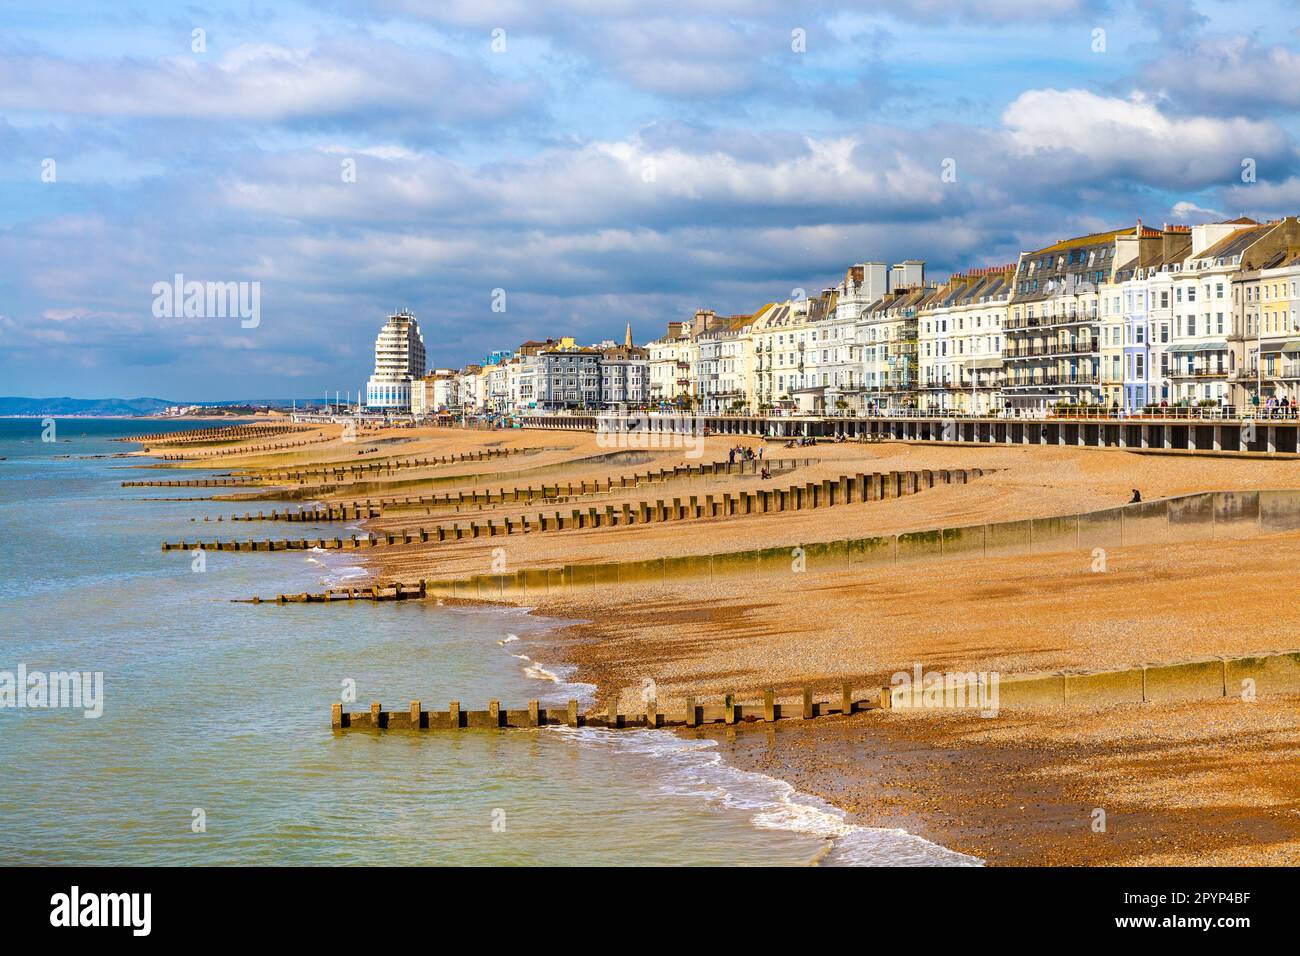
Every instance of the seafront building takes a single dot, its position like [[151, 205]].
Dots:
[[672, 360], [721, 361], [1113, 322], [889, 329], [399, 361], [1279, 339], [782, 334], [624, 374], [435, 393], [960, 342]]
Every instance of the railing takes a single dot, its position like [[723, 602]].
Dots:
[[1053, 378], [1038, 351], [1045, 322]]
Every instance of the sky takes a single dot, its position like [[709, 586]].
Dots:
[[516, 169]]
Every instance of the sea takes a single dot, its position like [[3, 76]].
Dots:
[[213, 743]]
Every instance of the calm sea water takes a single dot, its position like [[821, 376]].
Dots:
[[220, 711]]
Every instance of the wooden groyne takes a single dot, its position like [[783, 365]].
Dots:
[[1244, 677], [231, 482], [694, 712], [389, 466], [228, 433], [314, 516], [846, 489], [1204, 516], [374, 507], [254, 449], [375, 592]]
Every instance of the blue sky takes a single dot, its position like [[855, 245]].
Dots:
[[610, 162]]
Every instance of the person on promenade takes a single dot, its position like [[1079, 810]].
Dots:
[[760, 452], [765, 474], [731, 456], [1137, 497]]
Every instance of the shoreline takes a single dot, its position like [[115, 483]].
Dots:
[[829, 819], [1016, 794], [1020, 790]]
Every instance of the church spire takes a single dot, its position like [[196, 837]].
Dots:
[[627, 340]]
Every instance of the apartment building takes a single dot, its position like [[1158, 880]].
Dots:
[[1257, 339], [723, 355], [434, 393], [399, 361], [833, 376], [1137, 321], [780, 336], [672, 358], [889, 331], [1278, 376], [960, 335], [1053, 335], [570, 378], [625, 374]]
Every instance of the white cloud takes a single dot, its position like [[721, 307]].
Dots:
[[1091, 136], [264, 82], [1229, 73]]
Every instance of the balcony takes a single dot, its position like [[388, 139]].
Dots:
[[1047, 322], [1088, 347], [1053, 378]]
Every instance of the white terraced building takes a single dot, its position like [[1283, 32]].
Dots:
[[399, 361], [960, 342]]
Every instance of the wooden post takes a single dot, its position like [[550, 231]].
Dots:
[[573, 713], [690, 711], [415, 715], [807, 703], [651, 714], [533, 709], [374, 714], [729, 708], [494, 712], [613, 713], [453, 716], [846, 699], [769, 705], [336, 716], [886, 698]]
